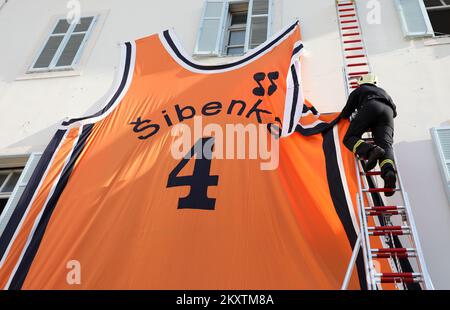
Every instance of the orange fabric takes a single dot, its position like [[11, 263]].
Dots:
[[36, 207], [270, 229]]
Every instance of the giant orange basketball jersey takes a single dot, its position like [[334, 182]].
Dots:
[[109, 195]]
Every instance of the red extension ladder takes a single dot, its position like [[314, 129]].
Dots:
[[393, 225]]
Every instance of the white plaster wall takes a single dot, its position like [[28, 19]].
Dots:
[[416, 75]]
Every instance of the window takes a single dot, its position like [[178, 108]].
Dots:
[[414, 18], [12, 184], [439, 13], [8, 180], [235, 39], [64, 45], [233, 27], [441, 138]]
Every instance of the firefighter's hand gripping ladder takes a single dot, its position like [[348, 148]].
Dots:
[[377, 220]]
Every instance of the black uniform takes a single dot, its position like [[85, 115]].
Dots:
[[376, 111]]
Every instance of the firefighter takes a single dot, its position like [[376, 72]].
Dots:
[[369, 107]]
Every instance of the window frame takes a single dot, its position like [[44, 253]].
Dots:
[[52, 66], [249, 22], [28, 162], [229, 29], [9, 173], [441, 7], [223, 36], [443, 162]]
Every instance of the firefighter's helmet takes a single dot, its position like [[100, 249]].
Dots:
[[368, 79]]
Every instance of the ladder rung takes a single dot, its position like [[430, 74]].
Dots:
[[349, 27], [389, 210], [346, 10], [355, 56], [388, 232], [347, 15], [381, 190], [378, 228], [352, 41], [348, 21], [351, 34], [358, 48], [360, 64], [396, 280], [345, 4], [392, 255], [377, 213], [373, 173], [385, 208], [393, 250], [398, 274], [353, 74], [385, 211]]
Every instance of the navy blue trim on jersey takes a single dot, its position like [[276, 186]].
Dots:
[[337, 193], [117, 93], [268, 45], [29, 191], [311, 108], [30, 252], [294, 97], [319, 128], [297, 49]]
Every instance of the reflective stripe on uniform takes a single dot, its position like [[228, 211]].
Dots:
[[387, 161], [355, 147]]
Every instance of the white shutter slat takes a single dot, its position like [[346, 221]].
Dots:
[[441, 139], [48, 52], [444, 139], [210, 32], [414, 18], [70, 50], [74, 43]]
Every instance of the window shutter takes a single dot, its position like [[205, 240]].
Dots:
[[441, 138], [414, 18], [211, 29], [74, 43], [52, 45], [18, 190]]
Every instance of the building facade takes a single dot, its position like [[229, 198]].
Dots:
[[51, 69]]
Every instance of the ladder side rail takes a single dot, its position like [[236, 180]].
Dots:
[[351, 265], [345, 69], [363, 42], [365, 238]]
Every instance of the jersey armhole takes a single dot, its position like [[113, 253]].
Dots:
[[113, 97]]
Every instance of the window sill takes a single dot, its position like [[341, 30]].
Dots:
[[48, 75], [437, 41]]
